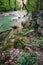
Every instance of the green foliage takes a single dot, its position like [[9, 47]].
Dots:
[[42, 5], [19, 33], [41, 43], [9, 5], [4, 6], [20, 41], [18, 45], [18, 6], [33, 26], [29, 59], [7, 46], [34, 5], [1, 63]]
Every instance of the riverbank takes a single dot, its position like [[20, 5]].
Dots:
[[13, 12]]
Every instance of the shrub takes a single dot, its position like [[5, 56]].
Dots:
[[20, 41], [9, 5], [41, 43], [12, 5], [7, 46], [4, 6], [33, 5], [18, 6], [18, 45], [29, 59]]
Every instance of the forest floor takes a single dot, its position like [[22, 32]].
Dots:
[[34, 39]]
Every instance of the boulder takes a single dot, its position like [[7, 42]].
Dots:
[[40, 22], [40, 30]]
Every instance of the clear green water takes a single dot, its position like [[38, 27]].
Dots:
[[5, 22]]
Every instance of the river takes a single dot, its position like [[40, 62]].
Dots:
[[7, 21]]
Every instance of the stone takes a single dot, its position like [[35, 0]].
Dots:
[[40, 19], [40, 22], [40, 30], [11, 56], [6, 63]]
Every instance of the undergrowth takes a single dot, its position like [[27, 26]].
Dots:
[[29, 59]]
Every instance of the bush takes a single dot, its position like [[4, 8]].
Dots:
[[32, 26], [18, 6], [4, 6], [41, 43], [12, 5], [9, 5], [29, 59], [33, 5], [20, 41], [7, 46]]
